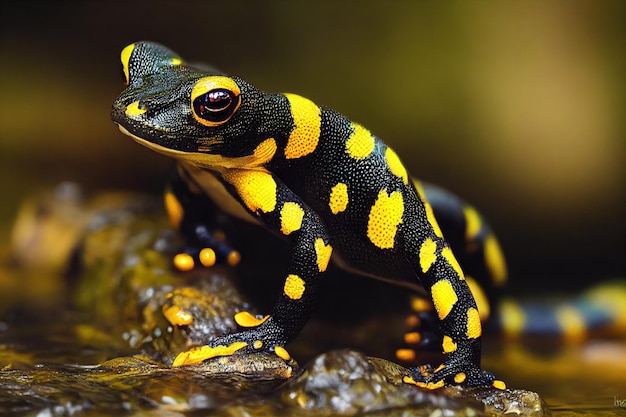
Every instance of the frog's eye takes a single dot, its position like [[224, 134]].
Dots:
[[216, 106], [214, 100]]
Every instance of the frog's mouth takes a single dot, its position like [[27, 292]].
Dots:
[[200, 159]]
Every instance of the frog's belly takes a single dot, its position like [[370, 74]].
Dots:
[[204, 181]]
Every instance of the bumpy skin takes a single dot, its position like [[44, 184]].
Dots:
[[306, 173]]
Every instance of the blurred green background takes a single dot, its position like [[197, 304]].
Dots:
[[516, 106]]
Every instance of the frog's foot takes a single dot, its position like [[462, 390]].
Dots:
[[422, 335], [262, 338], [446, 375], [212, 250]]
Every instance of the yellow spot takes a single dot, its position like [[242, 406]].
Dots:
[[472, 223], [439, 368], [173, 208], [395, 165], [245, 319], [571, 322], [412, 321], [428, 208], [425, 385], [199, 354], [408, 380], [481, 298], [258, 344], [323, 253], [448, 345], [460, 378], [177, 316], [338, 198], [133, 110], [498, 384], [233, 258], [384, 218], [183, 262], [256, 188], [291, 217], [360, 143], [125, 58], [265, 151], [294, 287], [207, 257], [449, 256], [176, 61], [494, 259], [406, 355], [444, 297], [474, 329], [512, 317], [412, 338], [428, 254], [419, 304], [282, 353], [307, 118]]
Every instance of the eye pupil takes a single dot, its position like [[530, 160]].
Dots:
[[219, 97], [217, 105]]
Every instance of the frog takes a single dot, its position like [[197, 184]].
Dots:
[[324, 183]]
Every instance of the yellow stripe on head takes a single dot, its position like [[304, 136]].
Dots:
[[125, 58], [133, 110]]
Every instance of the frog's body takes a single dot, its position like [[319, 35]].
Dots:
[[310, 175]]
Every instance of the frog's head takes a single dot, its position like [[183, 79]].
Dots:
[[194, 114]]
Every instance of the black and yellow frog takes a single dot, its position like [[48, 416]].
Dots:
[[312, 176]]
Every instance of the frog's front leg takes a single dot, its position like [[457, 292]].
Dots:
[[191, 211], [280, 210]]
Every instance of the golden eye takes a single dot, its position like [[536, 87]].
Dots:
[[214, 100]]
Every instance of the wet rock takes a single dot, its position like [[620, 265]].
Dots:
[[349, 383]]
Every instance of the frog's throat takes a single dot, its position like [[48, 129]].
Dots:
[[199, 159]]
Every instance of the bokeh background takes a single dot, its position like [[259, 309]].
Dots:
[[519, 107]]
